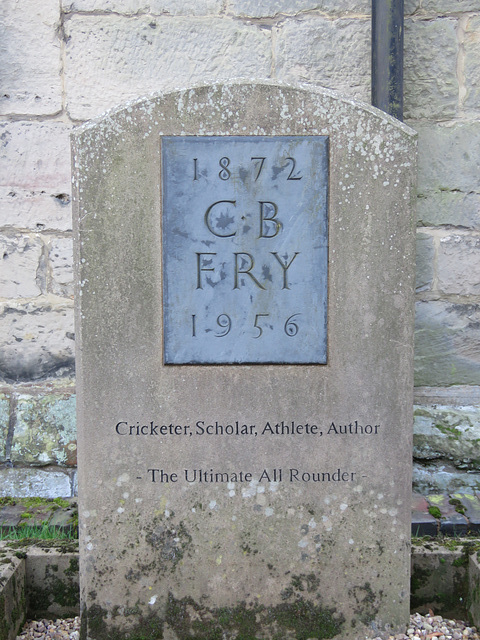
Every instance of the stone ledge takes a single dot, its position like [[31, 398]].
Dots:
[[12, 594], [16, 513], [37, 581], [445, 578], [454, 514], [474, 587], [457, 395]]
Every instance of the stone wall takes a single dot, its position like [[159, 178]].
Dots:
[[65, 61]]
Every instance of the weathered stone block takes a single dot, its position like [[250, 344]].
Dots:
[[111, 59], [467, 395], [45, 429], [424, 262], [61, 265], [12, 595], [474, 588], [447, 432], [333, 54], [447, 6], [21, 256], [31, 60], [52, 583], [447, 343], [448, 157], [36, 339], [469, 503], [458, 267], [442, 478], [438, 578], [42, 483], [152, 7], [422, 522], [452, 523], [449, 207], [44, 210], [431, 86], [472, 63], [4, 422], [10, 516], [271, 8], [35, 155], [410, 6]]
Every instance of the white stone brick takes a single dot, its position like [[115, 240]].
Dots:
[[448, 157], [35, 156], [332, 53], [4, 421], [36, 339], [30, 73], [153, 7], [451, 432], [447, 343], [472, 64], [61, 265], [19, 263], [442, 478], [430, 76], [424, 262], [449, 207], [45, 428], [111, 59], [450, 6], [26, 483], [410, 6], [459, 264], [271, 8], [38, 210]]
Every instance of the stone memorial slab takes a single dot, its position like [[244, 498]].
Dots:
[[245, 274]]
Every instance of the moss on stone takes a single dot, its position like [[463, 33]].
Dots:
[[94, 623], [170, 541], [435, 512], [459, 508], [4, 623], [73, 567], [368, 602], [7, 501], [418, 579], [62, 546], [62, 591], [15, 620], [299, 617], [452, 433]]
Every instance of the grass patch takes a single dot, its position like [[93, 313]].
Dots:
[[32, 502], [45, 532]]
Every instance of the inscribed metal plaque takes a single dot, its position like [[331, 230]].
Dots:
[[245, 249]]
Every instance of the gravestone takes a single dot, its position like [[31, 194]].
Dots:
[[244, 278]]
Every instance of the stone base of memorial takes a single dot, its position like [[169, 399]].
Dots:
[[244, 259]]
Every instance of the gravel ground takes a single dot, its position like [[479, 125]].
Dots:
[[421, 628], [66, 629], [433, 627]]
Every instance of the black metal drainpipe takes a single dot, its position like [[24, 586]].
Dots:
[[387, 56]]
